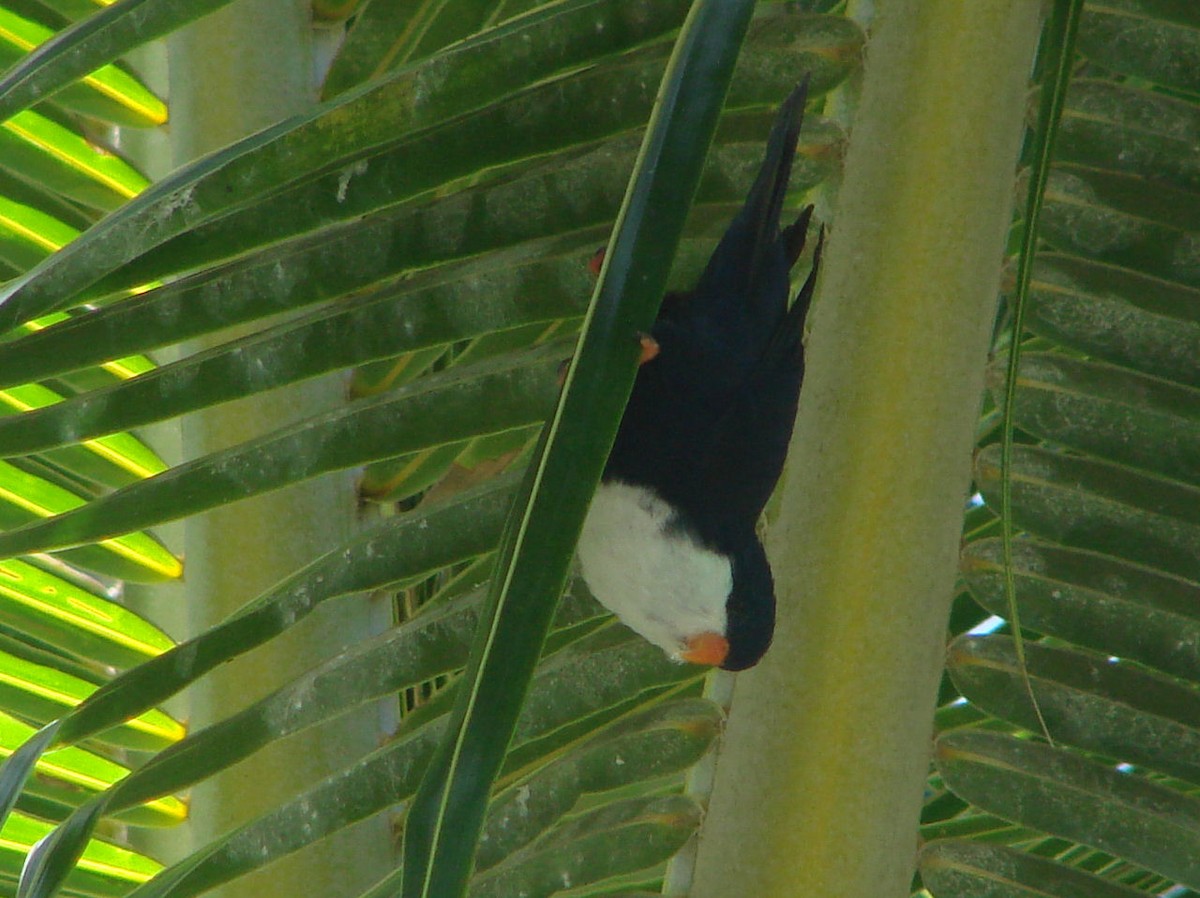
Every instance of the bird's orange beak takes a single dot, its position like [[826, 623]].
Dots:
[[708, 649]]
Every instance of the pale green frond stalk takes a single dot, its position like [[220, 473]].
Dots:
[[820, 779]]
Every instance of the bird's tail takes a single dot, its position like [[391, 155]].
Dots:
[[795, 236], [791, 330], [764, 204]]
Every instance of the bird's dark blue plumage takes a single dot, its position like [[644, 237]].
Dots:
[[708, 423]]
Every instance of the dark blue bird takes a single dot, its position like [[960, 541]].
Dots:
[[670, 542]]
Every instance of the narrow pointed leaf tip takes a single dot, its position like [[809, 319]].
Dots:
[[15, 771]]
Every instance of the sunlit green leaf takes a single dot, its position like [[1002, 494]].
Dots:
[[136, 556], [104, 869], [27, 236], [42, 150], [106, 92], [40, 693], [64, 774]]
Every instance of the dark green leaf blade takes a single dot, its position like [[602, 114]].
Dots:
[[47, 865], [616, 838], [1102, 705], [304, 147], [1110, 412], [567, 114], [1146, 39], [1123, 127], [1101, 506], [1131, 319], [378, 316], [620, 662], [1097, 601], [581, 29], [1059, 792], [496, 395], [958, 867], [664, 739], [425, 539]]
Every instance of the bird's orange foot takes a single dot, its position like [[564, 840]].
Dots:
[[596, 262], [649, 346]]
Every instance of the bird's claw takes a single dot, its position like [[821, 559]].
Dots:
[[650, 348], [596, 262]]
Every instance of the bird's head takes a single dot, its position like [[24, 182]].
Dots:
[[749, 615], [750, 607], [704, 603]]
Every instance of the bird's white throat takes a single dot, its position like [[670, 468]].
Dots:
[[655, 577]]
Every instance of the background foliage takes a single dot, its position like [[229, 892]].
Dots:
[[428, 225]]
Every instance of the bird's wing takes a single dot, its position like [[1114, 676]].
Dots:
[[750, 434], [722, 391]]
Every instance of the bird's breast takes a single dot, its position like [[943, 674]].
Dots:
[[640, 560]]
